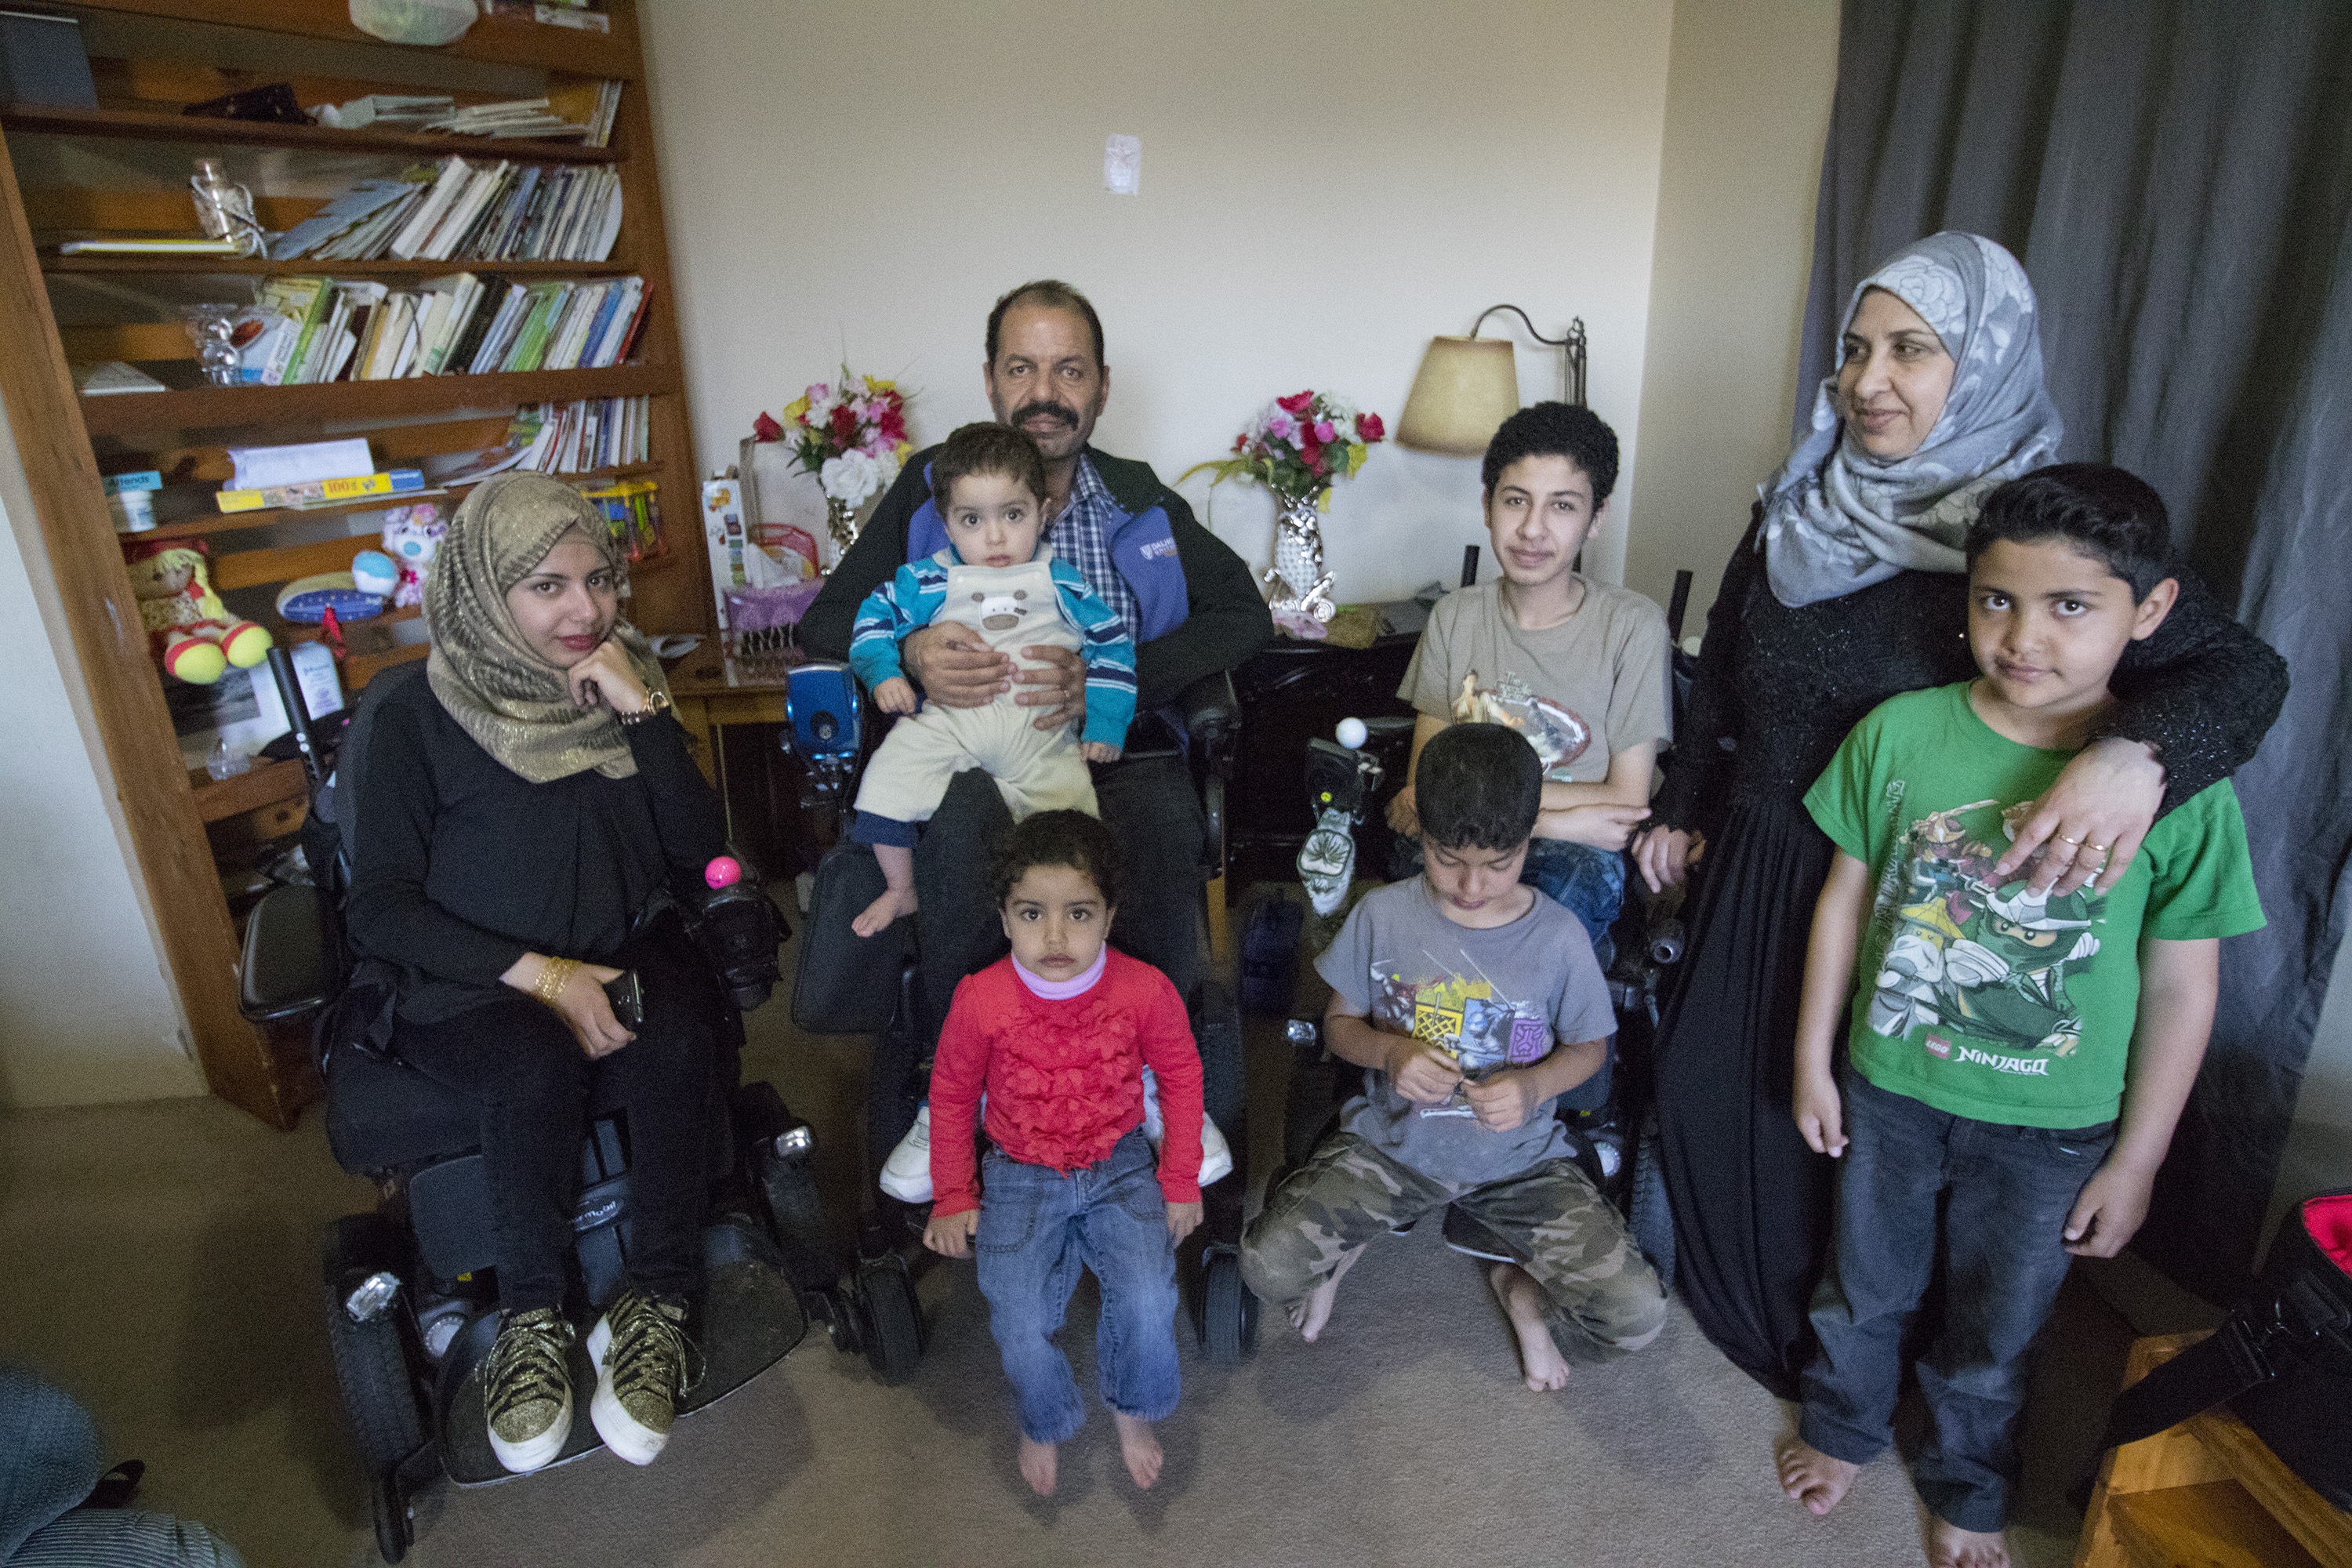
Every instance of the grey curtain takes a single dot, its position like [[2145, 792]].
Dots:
[[2177, 177]]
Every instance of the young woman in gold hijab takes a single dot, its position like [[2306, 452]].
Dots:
[[521, 810]]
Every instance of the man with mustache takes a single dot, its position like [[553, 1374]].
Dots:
[[1190, 603]]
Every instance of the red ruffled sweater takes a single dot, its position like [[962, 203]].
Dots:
[[1065, 1079]]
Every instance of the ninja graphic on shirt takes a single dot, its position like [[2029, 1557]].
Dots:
[[1985, 960]]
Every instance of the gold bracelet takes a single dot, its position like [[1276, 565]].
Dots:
[[553, 976]]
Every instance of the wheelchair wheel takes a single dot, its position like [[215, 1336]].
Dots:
[[1228, 1311], [371, 1370], [1652, 1220], [894, 1321]]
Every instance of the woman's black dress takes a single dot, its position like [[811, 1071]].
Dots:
[[1777, 690]]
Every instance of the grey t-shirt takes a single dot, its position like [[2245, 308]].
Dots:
[[1494, 998], [1582, 691]]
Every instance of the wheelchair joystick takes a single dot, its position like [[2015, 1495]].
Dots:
[[724, 871], [1341, 778]]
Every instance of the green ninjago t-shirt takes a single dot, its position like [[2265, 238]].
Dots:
[[1984, 999]]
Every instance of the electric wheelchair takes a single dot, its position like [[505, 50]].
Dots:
[[412, 1306], [848, 984]]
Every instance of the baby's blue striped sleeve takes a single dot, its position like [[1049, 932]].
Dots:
[[893, 612], [1109, 654]]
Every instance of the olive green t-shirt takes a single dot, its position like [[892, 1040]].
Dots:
[[1984, 999], [1580, 691]]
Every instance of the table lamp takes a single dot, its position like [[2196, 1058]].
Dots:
[[1466, 387]]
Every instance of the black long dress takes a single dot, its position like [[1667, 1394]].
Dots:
[[1777, 690]]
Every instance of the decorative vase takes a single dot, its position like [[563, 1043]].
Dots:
[[1299, 589], [841, 522]]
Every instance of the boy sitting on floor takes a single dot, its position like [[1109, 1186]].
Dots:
[[1997, 1030], [1577, 667], [1473, 1003]]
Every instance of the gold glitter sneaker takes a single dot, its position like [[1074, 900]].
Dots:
[[527, 1389], [645, 1364]]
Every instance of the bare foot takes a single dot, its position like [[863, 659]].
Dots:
[[1949, 1546], [1140, 1447], [1312, 1310], [1813, 1478], [1039, 1464], [1523, 1302], [893, 904]]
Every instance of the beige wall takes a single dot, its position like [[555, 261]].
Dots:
[[1324, 187], [1748, 109], [86, 1014]]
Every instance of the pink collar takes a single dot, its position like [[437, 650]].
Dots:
[[1062, 990]]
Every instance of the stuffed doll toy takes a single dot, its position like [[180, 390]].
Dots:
[[189, 630], [410, 535]]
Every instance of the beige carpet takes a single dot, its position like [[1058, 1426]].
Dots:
[[161, 1261]]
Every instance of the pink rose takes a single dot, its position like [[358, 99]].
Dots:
[[1323, 431], [1282, 427]]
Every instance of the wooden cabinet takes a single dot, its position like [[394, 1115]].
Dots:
[[122, 167]]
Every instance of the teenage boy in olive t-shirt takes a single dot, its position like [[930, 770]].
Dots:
[[1577, 667], [2016, 1060]]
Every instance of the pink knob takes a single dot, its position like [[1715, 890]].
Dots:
[[724, 871]]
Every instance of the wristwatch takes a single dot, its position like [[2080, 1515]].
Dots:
[[656, 702]]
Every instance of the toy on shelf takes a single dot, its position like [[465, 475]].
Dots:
[[412, 534], [373, 572], [307, 601], [189, 630]]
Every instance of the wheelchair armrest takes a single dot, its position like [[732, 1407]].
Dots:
[[285, 973], [1212, 710]]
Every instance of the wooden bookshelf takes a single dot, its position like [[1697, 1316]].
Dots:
[[175, 816], [312, 267], [215, 408], [147, 126]]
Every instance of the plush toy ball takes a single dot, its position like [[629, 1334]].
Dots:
[[246, 645], [196, 661], [373, 572]]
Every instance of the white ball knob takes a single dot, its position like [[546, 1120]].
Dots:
[[1352, 733]]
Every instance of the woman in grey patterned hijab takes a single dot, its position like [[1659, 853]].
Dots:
[[1845, 511]]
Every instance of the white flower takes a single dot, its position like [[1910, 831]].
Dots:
[[851, 477], [885, 465]]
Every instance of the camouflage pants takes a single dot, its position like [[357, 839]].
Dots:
[[1604, 1299]]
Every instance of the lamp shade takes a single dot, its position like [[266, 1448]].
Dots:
[[1465, 388]]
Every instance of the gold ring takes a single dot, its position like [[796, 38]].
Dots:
[[2063, 840], [2102, 848]]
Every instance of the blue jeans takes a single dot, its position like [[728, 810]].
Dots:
[[1037, 1228], [2004, 1193]]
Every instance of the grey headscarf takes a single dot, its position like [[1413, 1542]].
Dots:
[[516, 705], [1837, 518]]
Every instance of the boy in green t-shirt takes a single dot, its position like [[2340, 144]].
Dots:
[[1997, 1032]]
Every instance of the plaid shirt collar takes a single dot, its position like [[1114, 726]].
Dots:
[[1082, 537]]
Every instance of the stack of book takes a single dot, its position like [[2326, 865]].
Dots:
[[584, 110], [581, 438], [313, 330], [479, 212]]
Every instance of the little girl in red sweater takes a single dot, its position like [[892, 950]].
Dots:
[[1058, 1034]]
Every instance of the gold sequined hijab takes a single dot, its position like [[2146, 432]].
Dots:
[[515, 704]]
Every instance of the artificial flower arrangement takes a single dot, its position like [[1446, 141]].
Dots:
[[1295, 447], [851, 435]]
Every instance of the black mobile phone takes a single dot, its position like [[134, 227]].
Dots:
[[627, 997]]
